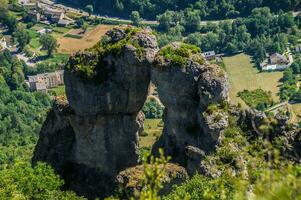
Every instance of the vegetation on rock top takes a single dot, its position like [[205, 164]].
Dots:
[[90, 65], [180, 55]]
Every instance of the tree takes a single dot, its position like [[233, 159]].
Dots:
[[22, 37], [21, 181], [80, 22], [288, 76], [49, 43], [3, 8], [192, 20], [89, 9], [169, 19], [85, 26], [135, 17]]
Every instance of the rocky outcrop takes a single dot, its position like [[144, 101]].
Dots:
[[106, 87], [186, 89], [130, 181], [93, 135]]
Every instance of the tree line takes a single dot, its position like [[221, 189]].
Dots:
[[206, 9], [260, 33]]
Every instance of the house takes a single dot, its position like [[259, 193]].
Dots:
[[278, 59], [42, 82], [277, 62], [34, 15], [49, 15], [54, 15], [210, 55]]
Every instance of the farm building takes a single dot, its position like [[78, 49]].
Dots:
[[48, 15], [42, 82], [276, 62], [210, 55]]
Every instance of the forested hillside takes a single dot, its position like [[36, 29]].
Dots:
[[207, 9]]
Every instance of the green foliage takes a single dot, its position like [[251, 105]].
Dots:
[[22, 37], [173, 34], [206, 9], [289, 90], [153, 176], [21, 181], [49, 43], [6, 17], [90, 66], [201, 187], [180, 55], [21, 112], [152, 109], [135, 18], [279, 184], [241, 163], [89, 9], [258, 98]]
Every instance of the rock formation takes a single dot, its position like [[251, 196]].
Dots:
[[93, 135], [102, 129], [130, 180], [187, 86]]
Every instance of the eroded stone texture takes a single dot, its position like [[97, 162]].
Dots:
[[101, 133], [186, 91], [95, 136]]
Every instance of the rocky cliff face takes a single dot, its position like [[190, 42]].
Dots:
[[101, 132], [186, 89], [93, 135]]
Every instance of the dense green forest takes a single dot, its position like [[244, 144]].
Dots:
[[206, 9], [21, 116]]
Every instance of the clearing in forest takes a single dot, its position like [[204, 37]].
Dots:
[[244, 75], [75, 40]]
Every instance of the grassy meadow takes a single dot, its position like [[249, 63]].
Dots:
[[153, 129], [244, 75]]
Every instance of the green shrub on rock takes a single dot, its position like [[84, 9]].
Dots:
[[90, 65], [180, 53]]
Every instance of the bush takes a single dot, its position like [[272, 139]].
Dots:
[[258, 98], [152, 109], [24, 182], [179, 56]]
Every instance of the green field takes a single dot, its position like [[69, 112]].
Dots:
[[153, 129], [57, 58], [244, 75], [35, 43], [59, 91]]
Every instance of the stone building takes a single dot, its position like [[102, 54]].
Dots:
[[42, 82]]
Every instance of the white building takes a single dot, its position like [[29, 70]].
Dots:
[[277, 62]]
